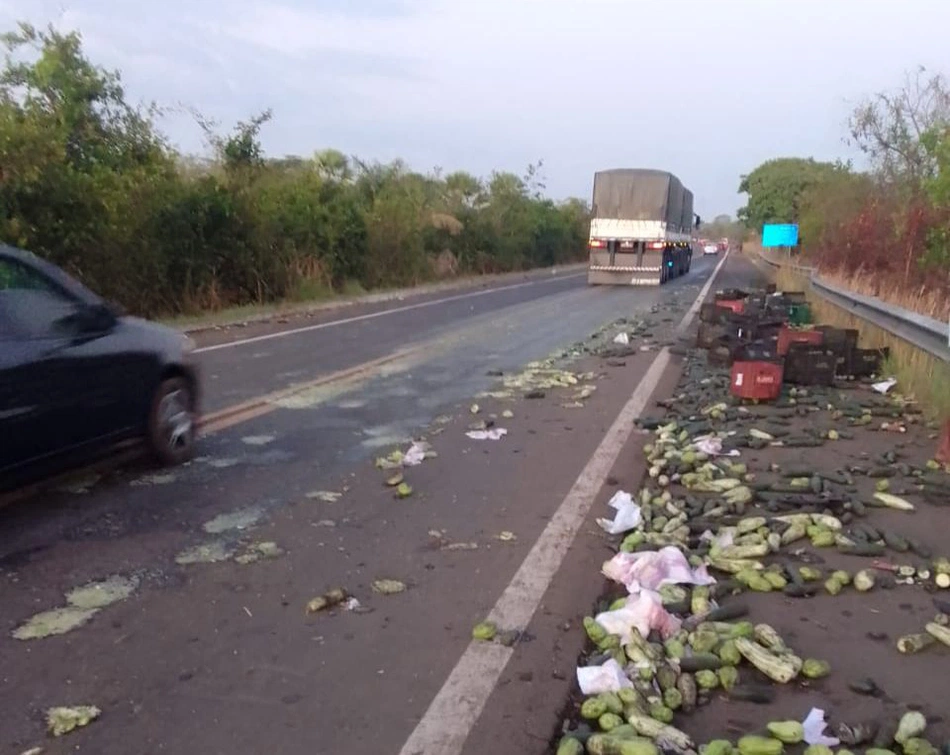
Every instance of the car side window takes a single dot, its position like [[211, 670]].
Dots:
[[15, 276], [31, 305]]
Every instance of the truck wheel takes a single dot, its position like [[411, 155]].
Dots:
[[172, 422]]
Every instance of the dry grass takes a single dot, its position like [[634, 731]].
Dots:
[[923, 300], [919, 375]]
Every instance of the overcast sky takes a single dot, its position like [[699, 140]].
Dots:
[[705, 88]]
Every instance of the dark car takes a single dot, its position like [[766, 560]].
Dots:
[[77, 376]]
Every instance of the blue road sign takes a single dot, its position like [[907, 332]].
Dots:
[[780, 234]]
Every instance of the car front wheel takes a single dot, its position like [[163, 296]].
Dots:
[[172, 422]]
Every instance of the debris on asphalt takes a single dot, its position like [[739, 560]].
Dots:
[[403, 490], [329, 599], [53, 622], [83, 603], [627, 516], [508, 414], [258, 440], [79, 485], [484, 631], [104, 593], [622, 338], [396, 480], [205, 553], [474, 409], [494, 433], [770, 493], [64, 719], [326, 496], [506, 536], [388, 586], [239, 519], [157, 478], [255, 552], [417, 452]]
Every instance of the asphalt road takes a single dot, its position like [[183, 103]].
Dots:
[[223, 657]]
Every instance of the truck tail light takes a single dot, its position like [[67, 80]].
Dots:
[[656, 245], [597, 244]]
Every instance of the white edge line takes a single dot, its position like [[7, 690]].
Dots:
[[383, 313], [453, 712]]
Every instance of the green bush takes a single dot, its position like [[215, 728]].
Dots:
[[89, 183]]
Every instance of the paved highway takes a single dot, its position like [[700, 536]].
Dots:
[[223, 657]]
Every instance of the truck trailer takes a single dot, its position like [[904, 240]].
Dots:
[[641, 230]]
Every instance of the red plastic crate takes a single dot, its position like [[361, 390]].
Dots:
[[761, 381], [735, 305], [787, 336]]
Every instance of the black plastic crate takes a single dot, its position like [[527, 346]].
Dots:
[[866, 362], [810, 365], [760, 350], [709, 333], [724, 351]]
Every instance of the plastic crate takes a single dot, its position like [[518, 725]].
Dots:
[[733, 305], [787, 336], [842, 341], [730, 293], [709, 333], [865, 362], [799, 314], [809, 365], [724, 351], [760, 350], [759, 380]]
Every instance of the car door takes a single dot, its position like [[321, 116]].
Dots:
[[55, 397]]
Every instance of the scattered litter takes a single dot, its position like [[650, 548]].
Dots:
[[885, 385], [622, 339], [484, 631], [475, 409], [712, 446], [329, 599], [396, 480], [234, 520], [627, 516], [494, 433], [63, 720], [154, 479], [388, 586], [643, 612], [54, 622], [596, 680], [507, 537], [403, 490], [507, 414], [573, 405], [416, 454], [257, 551], [653, 569], [205, 553], [32, 751], [352, 604], [814, 725], [325, 523], [96, 595], [258, 440], [460, 547], [222, 463], [327, 496]]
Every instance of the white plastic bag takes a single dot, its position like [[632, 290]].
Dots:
[[595, 680], [627, 517], [653, 569]]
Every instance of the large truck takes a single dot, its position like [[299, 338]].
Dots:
[[641, 229]]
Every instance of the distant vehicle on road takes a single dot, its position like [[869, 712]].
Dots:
[[710, 249], [641, 230], [76, 374]]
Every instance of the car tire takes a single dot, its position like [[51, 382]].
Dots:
[[172, 422]]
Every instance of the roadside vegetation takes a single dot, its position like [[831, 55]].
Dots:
[[884, 231], [89, 182]]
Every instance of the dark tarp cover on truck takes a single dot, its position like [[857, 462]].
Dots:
[[687, 223], [639, 194]]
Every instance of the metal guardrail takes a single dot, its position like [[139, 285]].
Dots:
[[926, 333]]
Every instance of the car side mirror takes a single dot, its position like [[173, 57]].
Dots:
[[90, 319]]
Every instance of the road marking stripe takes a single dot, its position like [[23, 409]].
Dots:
[[383, 313], [453, 712]]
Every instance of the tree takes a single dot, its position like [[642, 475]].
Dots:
[[890, 126], [775, 189]]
